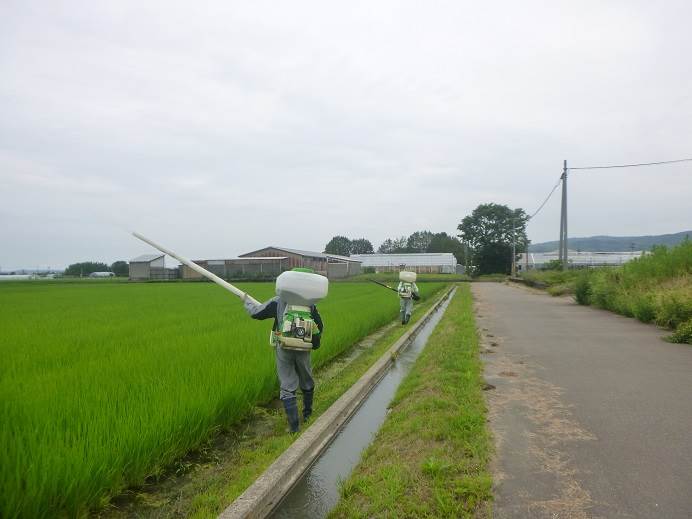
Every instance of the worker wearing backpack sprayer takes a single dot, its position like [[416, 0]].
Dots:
[[297, 326], [297, 331], [408, 293]]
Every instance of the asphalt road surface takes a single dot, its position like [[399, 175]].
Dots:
[[591, 411]]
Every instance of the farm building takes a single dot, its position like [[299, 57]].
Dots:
[[422, 262], [101, 275], [151, 266], [330, 265], [246, 267], [539, 260]]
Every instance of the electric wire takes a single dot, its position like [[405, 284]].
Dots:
[[634, 165], [546, 199]]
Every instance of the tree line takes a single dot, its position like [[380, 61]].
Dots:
[[484, 242], [419, 241]]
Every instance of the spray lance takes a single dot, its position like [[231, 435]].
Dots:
[[385, 286], [412, 295], [204, 272]]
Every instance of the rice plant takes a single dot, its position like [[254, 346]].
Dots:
[[103, 385]]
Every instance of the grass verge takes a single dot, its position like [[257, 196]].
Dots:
[[207, 481], [430, 458]]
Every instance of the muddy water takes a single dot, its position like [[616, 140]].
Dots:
[[318, 490]]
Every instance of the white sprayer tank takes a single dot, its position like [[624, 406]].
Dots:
[[301, 288], [407, 277]]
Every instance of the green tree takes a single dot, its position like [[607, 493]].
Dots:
[[361, 246], [443, 242], [399, 245], [386, 247], [419, 241], [489, 231], [339, 245], [394, 246], [85, 268], [120, 268]]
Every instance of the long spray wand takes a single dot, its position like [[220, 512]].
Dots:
[[204, 272]]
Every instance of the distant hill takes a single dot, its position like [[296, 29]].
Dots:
[[613, 243]]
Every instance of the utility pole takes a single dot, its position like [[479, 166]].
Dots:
[[563, 219], [514, 249], [466, 258]]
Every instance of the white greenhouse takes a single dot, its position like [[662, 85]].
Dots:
[[422, 262]]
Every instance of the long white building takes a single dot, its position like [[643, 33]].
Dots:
[[538, 260], [423, 262]]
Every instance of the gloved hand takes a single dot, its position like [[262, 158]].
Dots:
[[248, 304], [316, 341]]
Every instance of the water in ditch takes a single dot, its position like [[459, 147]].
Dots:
[[317, 492]]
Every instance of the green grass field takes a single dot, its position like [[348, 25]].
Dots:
[[102, 385]]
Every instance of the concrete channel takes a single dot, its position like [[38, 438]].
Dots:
[[303, 481]]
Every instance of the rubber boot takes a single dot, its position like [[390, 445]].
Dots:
[[291, 409], [403, 318], [407, 319], [307, 404]]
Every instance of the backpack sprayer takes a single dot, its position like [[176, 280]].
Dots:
[[213, 277], [299, 288]]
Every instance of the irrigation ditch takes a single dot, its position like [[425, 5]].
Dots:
[[303, 481]]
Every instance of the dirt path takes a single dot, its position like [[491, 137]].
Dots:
[[591, 412]]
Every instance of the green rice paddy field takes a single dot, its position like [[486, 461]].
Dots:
[[103, 384]]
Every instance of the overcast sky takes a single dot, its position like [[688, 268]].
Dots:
[[221, 127]]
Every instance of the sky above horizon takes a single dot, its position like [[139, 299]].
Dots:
[[222, 127]]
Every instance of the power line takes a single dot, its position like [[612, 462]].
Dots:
[[636, 165], [546, 199]]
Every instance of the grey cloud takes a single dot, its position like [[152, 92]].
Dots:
[[204, 126]]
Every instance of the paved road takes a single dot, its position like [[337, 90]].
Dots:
[[592, 412]]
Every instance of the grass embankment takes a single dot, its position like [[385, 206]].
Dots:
[[105, 384], [430, 458], [654, 288], [556, 282]]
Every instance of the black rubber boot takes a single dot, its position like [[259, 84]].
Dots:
[[403, 318], [407, 319], [307, 404], [291, 413]]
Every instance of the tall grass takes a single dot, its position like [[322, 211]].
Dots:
[[654, 288], [102, 385]]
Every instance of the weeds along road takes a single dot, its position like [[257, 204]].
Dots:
[[591, 411]]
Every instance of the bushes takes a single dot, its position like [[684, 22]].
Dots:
[[683, 334], [582, 289], [673, 311], [644, 308], [655, 288]]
